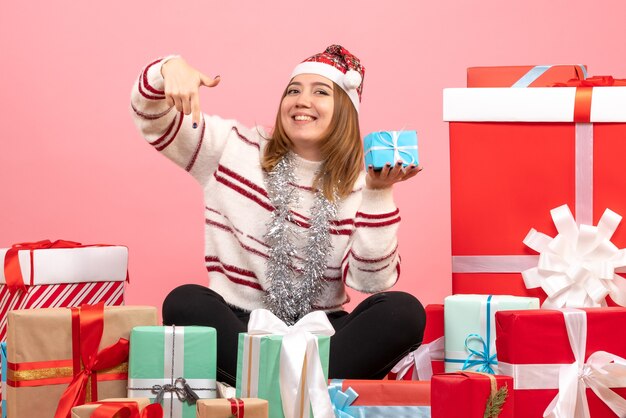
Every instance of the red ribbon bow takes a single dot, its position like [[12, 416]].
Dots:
[[12, 270], [126, 409], [87, 329], [236, 407], [584, 91]]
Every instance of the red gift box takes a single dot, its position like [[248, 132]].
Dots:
[[380, 398], [515, 154], [468, 392], [524, 75], [536, 363], [432, 349]]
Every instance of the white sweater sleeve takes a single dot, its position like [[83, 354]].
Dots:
[[372, 263], [171, 132]]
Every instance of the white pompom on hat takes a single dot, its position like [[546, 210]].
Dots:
[[338, 65]]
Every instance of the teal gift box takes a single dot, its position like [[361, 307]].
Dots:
[[3, 359], [171, 364], [470, 329], [258, 368], [390, 147]]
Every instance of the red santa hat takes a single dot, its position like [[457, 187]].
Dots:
[[338, 65]]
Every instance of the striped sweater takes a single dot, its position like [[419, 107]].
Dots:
[[224, 157]]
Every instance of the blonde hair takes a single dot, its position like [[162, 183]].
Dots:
[[340, 147]]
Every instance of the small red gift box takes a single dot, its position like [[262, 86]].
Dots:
[[468, 394], [524, 75], [517, 153], [582, 351], [427, 359]]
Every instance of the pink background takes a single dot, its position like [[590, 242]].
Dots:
[[73, 166]]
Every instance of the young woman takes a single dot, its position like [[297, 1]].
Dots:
[[291, 217]]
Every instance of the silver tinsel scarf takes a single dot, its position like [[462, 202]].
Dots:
[[292, 292]]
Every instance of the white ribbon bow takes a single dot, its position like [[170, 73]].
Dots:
[[601, 371], [302, 379], [421, 358], [393, 145], [577, 268]]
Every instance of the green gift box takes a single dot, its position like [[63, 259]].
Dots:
[[172, 365], [259, 364], [470, 329]]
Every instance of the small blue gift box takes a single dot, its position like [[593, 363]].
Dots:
[[390, 147]]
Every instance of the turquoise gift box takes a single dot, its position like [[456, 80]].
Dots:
[[172, 365], [470, 329], [258, 368], [390, 147]]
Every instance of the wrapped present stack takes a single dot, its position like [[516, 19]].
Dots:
[[526, 145]]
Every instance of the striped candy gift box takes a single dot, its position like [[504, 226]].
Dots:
[[57, 274]]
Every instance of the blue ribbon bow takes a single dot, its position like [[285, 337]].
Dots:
[[484, 358], [341, 400]]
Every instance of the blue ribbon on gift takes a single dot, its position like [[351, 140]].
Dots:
[[482, 358], [342, 406]]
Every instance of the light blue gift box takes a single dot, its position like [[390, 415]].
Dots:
[[3, 359], [389, 147], [470, 329]]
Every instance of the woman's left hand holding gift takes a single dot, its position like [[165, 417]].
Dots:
[[389, 176]]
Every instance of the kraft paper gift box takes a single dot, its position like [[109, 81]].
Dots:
[[470, 329], [232, 408], [420, 364], [86, 411], [470, 395], [584, 350], [50, 354], [380, 398], [524, 75], [390, 147], [178, 358], [60, 274], [517, 153], [272, 359]]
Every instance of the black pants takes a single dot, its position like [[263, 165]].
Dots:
[[366, 345]]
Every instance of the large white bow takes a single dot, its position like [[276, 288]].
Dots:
[[302, 379], [577, 268], [421, 358], [601, 372]]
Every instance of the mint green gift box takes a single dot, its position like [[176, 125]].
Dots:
[[470, 329], [258, 368], [165, 359]]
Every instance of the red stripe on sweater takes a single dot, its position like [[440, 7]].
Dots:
[[374, 260], [374, 270], [378, 216], [146, 95], [241, 244], [377, 224], [243, 180], [229, 267], [243, 192], [244, 139], [160, 139], [197, 151], [235, 280], [166, 144], [150, 116], [144, 78]]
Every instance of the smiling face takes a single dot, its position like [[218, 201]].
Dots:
[[306, 112]]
